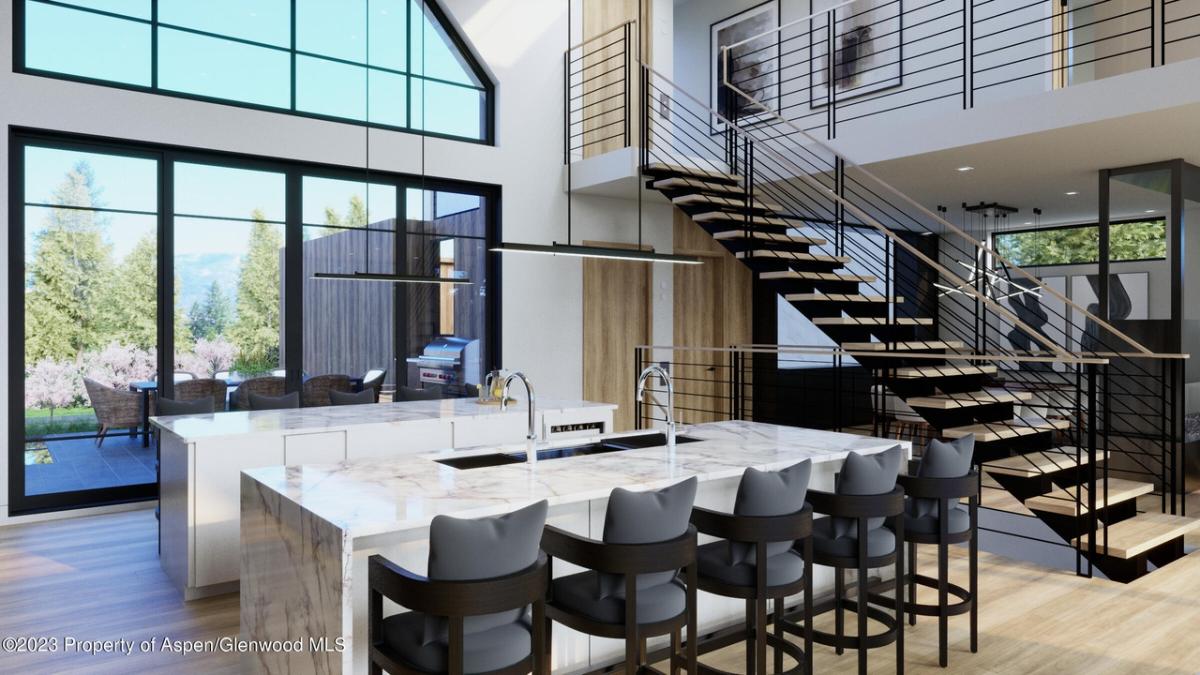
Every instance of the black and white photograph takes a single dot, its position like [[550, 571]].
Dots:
[[752, 63], [867, 48]]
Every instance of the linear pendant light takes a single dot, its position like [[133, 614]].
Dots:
[[570, 249], [379, 276]]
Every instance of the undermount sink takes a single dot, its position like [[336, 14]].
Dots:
[[609, 445]]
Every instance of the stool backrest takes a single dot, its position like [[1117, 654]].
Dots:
[[943, 460], [769, 493], [646, 518], [867, 475]]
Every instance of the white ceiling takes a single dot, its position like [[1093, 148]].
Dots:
[[1037, 170]]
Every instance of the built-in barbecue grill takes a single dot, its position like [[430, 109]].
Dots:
[[451, 362]]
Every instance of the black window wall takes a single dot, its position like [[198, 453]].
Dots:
[[240, 238]]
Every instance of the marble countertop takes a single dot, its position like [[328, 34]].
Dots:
[[377, 496], [332, 418]]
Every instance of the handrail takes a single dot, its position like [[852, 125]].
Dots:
[[599, 35], [867, 219], [835, 351], [1137, 346], [789, 24]]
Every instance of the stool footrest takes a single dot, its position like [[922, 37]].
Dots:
[[952, 609], [873, 641]]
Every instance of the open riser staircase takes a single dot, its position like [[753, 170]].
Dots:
[[797, 214]]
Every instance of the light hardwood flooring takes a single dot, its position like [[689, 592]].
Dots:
[[98, 578]]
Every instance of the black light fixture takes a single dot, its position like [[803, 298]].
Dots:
[[379, 276], [570, 249]]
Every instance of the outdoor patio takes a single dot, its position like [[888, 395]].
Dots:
[[79, 465]]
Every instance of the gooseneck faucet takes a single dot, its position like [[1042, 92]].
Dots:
[[532, 399], [666, 378]]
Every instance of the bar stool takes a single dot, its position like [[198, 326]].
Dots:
[[770, 517], [471, 614], [631, 589], [934, 515], [863, 530]]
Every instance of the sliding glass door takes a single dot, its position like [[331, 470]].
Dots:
[[138, 272], [85, 321]]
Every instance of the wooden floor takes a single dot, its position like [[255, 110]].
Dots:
[[98, 578]]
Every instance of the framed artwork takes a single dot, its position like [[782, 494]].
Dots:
[[1043, 312], [1128, 298], [867, 46], [753, 65]]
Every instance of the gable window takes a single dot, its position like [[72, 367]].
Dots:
[[388, 63]]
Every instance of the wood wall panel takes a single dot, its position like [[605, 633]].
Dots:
[[616, 320], [713, 308]]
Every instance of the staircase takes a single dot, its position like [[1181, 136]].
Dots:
[[1050, 424]]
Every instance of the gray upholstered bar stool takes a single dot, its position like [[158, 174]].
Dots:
[[632, 588], [863, 530], [770, 522], [934, 515], [471, 614]]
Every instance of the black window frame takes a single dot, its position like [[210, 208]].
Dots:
[[292, 277], [459, 43], [1053, 228]]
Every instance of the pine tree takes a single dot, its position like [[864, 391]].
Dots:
[[211, 315], [70, 268], [356, 216], [256, 330], [129, 311]]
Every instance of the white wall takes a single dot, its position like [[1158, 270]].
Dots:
[[521, 43]]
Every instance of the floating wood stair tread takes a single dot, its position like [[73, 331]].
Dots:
[[1062, 500], [724, 201], [868, 321], [986, 432], [942, 371], [790, 255], [769, 236], [1034, 464], [796, 275], [968, 399], [660, 167], [838, 297], [1134, 536], [915, 345], [726, 216], [698, 185]]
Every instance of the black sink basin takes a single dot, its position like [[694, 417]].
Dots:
[[609, 445], [646, 441]]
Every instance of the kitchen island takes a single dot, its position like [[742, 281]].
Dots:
[[202, 457], [307, 531]]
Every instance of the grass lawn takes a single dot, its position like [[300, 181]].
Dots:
[[58, 412]]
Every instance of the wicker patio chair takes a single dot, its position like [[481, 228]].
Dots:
[[115, 408], [191, 390], [316, 389], [268, 385]]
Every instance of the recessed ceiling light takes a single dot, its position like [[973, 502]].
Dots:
[[965, 169], [1072, 193], [1029, 222], [1151, 210]]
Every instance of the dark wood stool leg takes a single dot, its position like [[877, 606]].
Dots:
[[675, 647], [973, 581], [693, 634], [943, 599], [375, 669], [860, 597], [760, 634], [750, 636], [540, 665], [779, 634], [808, 607], [912, 581], [632, 641], [839, 619], [898, 588]]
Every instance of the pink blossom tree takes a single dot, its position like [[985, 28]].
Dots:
[[52, 384], [117, 365], [209, 357]]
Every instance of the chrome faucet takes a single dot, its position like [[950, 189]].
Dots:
[[666, 378], [532, 399]]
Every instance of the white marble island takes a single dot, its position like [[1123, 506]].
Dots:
[[202, 457], [307, 531]]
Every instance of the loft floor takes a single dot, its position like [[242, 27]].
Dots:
[[98, 577]]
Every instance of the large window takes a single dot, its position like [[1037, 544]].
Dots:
[[97, 228], [1080, 244], [388, 63]]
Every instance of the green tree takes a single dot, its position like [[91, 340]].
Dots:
[[355, 216], [70, 267], [128, 313], [256, 330], [211, 315]]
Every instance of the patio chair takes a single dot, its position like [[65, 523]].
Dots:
[[115, 408], [267, 385], [191, 390], [315, 391]]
